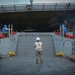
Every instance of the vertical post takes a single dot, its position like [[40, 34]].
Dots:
[[74, 45], [9, 29], [60, 30], [63, 38], [63, 31], [0, 31]]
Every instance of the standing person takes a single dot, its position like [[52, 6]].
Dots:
[[38, 48], [65, 30], [4, 30]]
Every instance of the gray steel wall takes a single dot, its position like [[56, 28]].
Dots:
[[63, 45], [4, 46], [8, 44]]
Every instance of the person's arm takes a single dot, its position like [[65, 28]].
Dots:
[[34, 46], [42, 45], [7, 28]]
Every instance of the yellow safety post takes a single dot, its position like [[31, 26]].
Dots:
[[60, 54], [11, 53]]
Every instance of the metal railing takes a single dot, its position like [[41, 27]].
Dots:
[[37, 7]]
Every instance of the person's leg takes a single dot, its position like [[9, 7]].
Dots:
[[40, 55], [36, 57]]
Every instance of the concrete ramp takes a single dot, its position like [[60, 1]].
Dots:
[[26, 44]]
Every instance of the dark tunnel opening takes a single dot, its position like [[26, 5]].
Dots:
[[36, 21]]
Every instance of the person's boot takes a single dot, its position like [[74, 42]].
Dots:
[[36, 61]]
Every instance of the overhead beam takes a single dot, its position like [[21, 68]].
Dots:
[[15, 7], [68, 6], [43, 6], [55, 5], [2, 8]]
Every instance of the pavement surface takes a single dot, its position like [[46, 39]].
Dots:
[[25, 65], [25, 62]]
